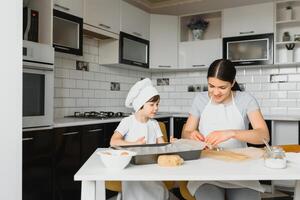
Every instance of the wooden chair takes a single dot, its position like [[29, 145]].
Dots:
[[116, 186]]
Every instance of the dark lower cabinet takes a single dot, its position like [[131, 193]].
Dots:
[[92, 138], [178, 125], [67, 162], [109, 131], [37, 175], [166, 121]]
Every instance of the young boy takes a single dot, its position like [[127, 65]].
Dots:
[[141, 128]]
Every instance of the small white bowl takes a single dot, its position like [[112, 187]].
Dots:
[[116, 159]]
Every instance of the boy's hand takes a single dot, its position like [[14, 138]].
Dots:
[[172, 139], [141, 140]]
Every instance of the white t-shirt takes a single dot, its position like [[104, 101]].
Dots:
[[131, 129]]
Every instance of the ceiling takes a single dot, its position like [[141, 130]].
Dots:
[[181, 7]]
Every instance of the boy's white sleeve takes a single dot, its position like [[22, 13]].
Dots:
[[123, 126]]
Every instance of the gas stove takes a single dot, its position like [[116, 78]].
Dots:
[[99, 115]]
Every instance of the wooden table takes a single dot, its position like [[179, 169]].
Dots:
[[93, 173]]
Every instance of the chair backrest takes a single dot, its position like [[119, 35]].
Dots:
[[163, 131]]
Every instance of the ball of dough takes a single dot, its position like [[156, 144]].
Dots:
[[169, 160]]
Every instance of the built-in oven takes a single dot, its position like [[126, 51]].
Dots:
[[38, 84], [249, 50]]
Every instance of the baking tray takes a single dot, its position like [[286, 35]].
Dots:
[[148, 153]]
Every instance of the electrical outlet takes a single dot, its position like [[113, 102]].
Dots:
[[162, 81], [278, 78], [114, 86], [82, 65]]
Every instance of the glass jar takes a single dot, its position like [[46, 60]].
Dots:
[[275, 159]]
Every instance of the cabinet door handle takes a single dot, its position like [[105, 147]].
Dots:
[[246, 32], [70, 133], [164, 66], [198, 65], [27, 139], [104, 26], [64, 48], [95, 130], [137, 34], [62, 7]]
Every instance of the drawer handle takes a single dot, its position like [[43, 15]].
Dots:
[[27, 139], [246, 32], [164, 66], [104, 26], [137, 34], [62, 7], [198, 65], [70, 133], [95, 130]]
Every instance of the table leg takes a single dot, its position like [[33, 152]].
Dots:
[[297, 190], [88, 190], [100, 190]]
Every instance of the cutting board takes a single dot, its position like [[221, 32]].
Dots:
[[234, 154]]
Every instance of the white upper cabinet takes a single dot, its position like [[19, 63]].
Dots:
[[163, 41], [199, 54], [73, 7], [134, 21], [248, 20], [102, 14]]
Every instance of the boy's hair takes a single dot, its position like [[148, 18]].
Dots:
[[153, 99]]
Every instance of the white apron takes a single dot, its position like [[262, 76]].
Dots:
[[223, 117]]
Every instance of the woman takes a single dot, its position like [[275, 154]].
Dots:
[[220, 117]]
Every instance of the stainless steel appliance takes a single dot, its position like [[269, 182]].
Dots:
[[67, 33], [38, 79], [133, 50], [249, 50]]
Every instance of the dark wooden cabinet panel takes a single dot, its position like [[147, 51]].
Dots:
[[92, 138], [67, 162], [269, 124], [166, 121], [37, 175], [178, 125], [109, 131]]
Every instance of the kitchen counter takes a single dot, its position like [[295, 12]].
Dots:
[[68, 121]]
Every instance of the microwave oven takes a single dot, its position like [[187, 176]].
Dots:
[[133, 50], [67, 33], [249, 50], [38, 85]]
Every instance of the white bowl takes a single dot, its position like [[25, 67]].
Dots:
[[116, 159]]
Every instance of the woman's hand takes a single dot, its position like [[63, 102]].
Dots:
[[196, 135], [141, 140], [217, 137]]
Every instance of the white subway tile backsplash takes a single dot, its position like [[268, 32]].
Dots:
[[93, 92], [294, 77], [75, 93], [61, 92], [287, 86], [278, 94], [287, 70], [75, 74], [278, 110], [293, 94], [287, 102], [83, 84]]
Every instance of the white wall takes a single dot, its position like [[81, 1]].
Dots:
[[11, 100]]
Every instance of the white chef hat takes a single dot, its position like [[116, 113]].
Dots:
[[140, 93]]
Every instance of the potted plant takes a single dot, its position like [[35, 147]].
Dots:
[[198, 26]]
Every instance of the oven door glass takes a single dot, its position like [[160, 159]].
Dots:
[[33, 94]]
